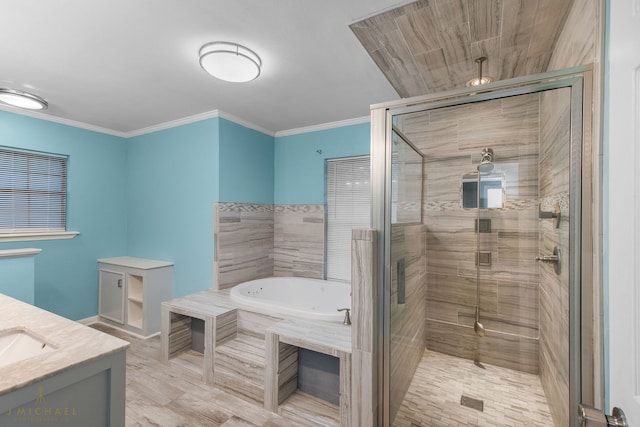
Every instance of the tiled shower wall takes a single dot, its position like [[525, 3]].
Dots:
[[252, 241], [451, 140], [554, 288]]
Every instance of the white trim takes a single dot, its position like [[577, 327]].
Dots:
[[324, 126], [196, 118], [174, 123], [245, 123], [89, 320], [49, 235], [63, 121], [111, 324], [186, 120], [17, 253], [636, 233]]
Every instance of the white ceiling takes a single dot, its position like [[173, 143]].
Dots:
[[127, 65]]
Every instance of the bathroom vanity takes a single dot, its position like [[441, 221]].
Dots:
[[54, 371], [131, 290]]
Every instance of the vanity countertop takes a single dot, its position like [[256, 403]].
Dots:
[[75, 344]]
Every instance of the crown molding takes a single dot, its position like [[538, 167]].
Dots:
[[196, 118], [62, 121], [174, 123], [245, 123], [324, 126], [186, 120]]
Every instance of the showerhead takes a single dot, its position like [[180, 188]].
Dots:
[[485, 167], [486, 162]]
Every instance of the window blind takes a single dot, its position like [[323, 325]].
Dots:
[[348, 207], [33, 191]]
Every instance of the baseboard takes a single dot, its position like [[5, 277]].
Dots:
[[89, 320], [122, 329]]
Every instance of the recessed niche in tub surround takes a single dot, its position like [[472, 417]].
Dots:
[[252, 241]]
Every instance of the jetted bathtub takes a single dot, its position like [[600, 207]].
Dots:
[[296, 296]]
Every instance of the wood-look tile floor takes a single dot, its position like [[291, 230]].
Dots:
[[174, 395], [511, 398]]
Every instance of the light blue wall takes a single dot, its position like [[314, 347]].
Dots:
[[66, 273], [172, 182], [247, 164], [173, 178], [300, 160], [152, 196], [17, 278]]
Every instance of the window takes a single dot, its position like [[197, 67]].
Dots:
[[348, 206], [33, 192]]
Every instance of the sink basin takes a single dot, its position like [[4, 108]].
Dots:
[[19, 344]]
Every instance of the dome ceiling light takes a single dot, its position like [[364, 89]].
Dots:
[[230, 62], [480, 80], [21, 99]]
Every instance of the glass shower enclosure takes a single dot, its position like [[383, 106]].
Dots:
[[482, 200]]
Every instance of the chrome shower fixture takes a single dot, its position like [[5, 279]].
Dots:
[[486, 160], [480, 80]]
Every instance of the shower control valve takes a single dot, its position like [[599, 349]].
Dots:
[[552, 259], [347, 316]]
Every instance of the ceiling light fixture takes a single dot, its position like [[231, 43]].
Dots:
[[21, 99], [230, 62], [480, 80]]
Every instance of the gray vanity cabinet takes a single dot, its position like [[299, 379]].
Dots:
[[131, 291]]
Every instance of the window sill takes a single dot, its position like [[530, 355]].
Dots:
[[17, 253], [48, 235]]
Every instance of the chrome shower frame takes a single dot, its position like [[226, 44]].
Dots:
[[585, 325]]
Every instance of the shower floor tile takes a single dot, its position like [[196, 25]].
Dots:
[[510, 398]]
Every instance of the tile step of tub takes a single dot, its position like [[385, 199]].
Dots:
[[239, 367], [247, 349], [302, 408]]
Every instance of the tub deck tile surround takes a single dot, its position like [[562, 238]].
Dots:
[[239, 367], [253, 241], [160, 394], [176, 314], [364, 363], [223, 319], [328, 338]]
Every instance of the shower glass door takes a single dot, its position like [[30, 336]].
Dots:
[[482, 286]]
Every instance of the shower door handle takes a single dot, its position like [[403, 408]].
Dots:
[[547, 258], [592, 417]]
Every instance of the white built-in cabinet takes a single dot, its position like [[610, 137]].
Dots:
[[131, 291]]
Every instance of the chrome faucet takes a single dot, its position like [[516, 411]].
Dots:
[[347, 316]]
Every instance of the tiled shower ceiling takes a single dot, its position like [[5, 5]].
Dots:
[[431, 45]]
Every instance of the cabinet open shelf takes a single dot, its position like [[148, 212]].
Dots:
[[135, 290], [134, 313]]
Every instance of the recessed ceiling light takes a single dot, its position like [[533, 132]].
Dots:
[[230, 62], [21, 99]]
